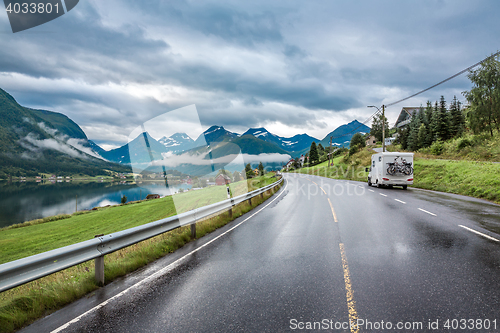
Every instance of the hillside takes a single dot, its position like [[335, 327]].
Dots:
[[38, 141], [467, 165]]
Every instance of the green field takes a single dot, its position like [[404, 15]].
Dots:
[[30, 238]]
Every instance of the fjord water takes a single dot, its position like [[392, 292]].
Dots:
[[24, 201]]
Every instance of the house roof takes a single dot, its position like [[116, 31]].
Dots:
[[405, 115], [222, 175]]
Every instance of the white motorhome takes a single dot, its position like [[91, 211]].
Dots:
[[391, 168]]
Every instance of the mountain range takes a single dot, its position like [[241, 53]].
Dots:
[[341, 136], [45, 141]]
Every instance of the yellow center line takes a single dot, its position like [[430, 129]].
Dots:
[[351, 304], [333, 211], [322, 189]]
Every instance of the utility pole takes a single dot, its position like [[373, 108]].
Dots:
[[330, 155], [383, 128]]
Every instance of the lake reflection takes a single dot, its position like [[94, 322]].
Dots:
[[24, 201]]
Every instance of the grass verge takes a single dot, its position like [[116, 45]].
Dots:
[[465, 177], [23, 305]]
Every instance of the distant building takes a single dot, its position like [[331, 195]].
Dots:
[[389, 141], [289, 164], [371, 141], [404, 117], [152, 196], [256, 171], [222, 179], [302, 160]]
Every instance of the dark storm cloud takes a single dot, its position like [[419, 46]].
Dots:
[[114, 64], [81, 47]]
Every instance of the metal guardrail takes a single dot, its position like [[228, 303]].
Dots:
[[18, 272]]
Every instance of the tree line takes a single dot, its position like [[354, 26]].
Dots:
[[436, 123], [433, 123]]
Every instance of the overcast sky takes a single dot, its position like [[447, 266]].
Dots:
[[290, 66]]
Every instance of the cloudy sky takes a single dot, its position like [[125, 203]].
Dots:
[[290, 66]]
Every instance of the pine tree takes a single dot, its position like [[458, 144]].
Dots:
[[313, 154], [357, 140], [457, 119], [403, 137], [415, 123], [248, 171], [428, 124], [261, 169], [321, 149], [422, 135], [441, 123]]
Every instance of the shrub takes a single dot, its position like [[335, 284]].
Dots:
[[437, 147], [124, 199], [463, 142]]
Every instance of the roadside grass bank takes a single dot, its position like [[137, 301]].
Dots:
[[465, 177], [475, 179], [24, 304]]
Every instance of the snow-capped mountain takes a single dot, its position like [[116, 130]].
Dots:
[[342, 135], [177, 142], [295, 143], [214, 134]]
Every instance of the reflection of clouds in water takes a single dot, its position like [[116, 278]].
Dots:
[[107, 202], [39, 202]]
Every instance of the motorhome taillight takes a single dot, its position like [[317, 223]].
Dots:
[[410, 179], [386, 179]]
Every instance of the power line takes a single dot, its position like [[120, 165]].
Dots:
[[420, 92], [448, 79]]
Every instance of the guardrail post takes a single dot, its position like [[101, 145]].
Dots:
[[250, 201], [99, 267], [193, 230], [99, 270]]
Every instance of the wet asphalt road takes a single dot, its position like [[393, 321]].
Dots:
[[393, 256]]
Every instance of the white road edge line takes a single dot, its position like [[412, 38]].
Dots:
[[400, 201], [371, 190], [479, 233], [383, 194], [423, 210], [160, 272]]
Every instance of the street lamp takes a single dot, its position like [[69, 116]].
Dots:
[[383, 124]]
